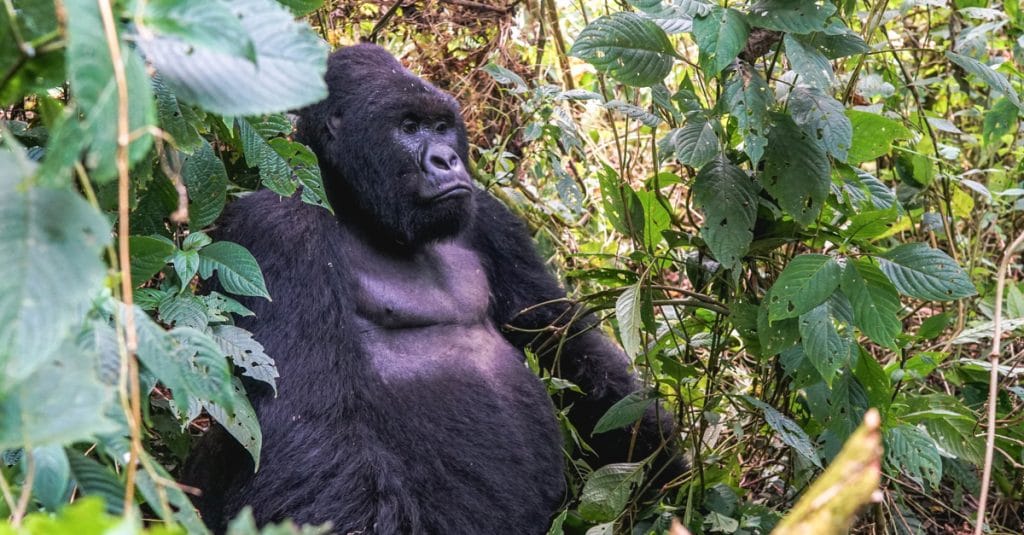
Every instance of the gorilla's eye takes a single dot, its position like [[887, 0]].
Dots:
[[441, 127], [410, 126]]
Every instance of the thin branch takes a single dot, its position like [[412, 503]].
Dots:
[[993, 382]]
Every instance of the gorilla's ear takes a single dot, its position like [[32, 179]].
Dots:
[[334, 125]]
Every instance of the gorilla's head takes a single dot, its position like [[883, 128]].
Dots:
[[392, 148]]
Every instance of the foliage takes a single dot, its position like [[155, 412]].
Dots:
[[792, 211]]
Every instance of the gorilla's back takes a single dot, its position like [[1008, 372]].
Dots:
[[401, 408]]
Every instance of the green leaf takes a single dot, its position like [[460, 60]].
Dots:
[[821, 117], [607, 491], [301, 8], [813, 67], [865, 190], [91, 73], [807, 282], [990, 76], [633, 50], [868, 225], [874, 380], [827, 350], [240, 421], [674, 16], [246, 353], [911, 452], [186, 265], [694, 144], [51, 268], [876, 304], [290, 62], [933, 326], [836, 45], [305, 169], [275, 173], [237, 270], [791, 16], [627, 312], [626, 411], [203, 24], [634, 112], [720, 36], [148, 256], [52, 478], [749, 98], [728, 198], [796, 170], [206, 180], [872, 135], [183, 309], [174, 118], [775, 336], [920, 271], [789, 432], [1000, 120], [94, 479]]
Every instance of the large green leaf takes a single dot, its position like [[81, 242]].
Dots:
[[728, 198], [873, 135], [201, 23], [876, 304], [673, 16], [775, 336], [910, 451], [821, 117], [990, 76], [52, 476], [290, 62], [93, 86], [627, 313], [749, 98], [149, 254], [274, 171], [920, 271], [205, 179], [236, 268], [630, 48], [176, 119], [789, 432], [50, 246], [813, 67], [246, 353], [305, 170], [791, 16], [796, 170], [807, 282], [720, 37], [301, 8], [694, 144], [827, 350], [94, 479], [607, 490], [626, 411], [240, 421]]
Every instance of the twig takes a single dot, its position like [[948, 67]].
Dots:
[[26, 490], [993, 382], [129, 366]]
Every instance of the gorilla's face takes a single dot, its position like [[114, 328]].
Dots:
[[392, 149]]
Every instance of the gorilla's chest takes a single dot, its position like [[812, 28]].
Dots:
[[426, 315]]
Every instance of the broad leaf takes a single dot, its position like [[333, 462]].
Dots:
[[607, 490], [796, 170], [633, 50], [920, 271], [807, 282], [694, 144], [911, 452], [148, 256], [52, 476], [749, 98], [51, 268], [95, 479], [827, 350], [1000, 120], [990, 76], [876, 304], [775, 336], [728, 198], [627, 313], [789, 432], [634, 112], [673, 16], [287, 73], [240, 421], [206, 179], [236, 268], [791, 16], [720, 36], [202, 23], [873, 135], [176, 119], [821, 117], [275, 173], [246, 353], [626, 411], [813, 67]]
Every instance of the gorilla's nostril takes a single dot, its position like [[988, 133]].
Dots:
[[440, 163]]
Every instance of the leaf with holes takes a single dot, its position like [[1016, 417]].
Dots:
[[910, 451], [813, 67], [607, 490], [791, 16], [807, 282], [240, 420], [236, 268], [630, 48], [246, 353], [821, 116], [827, 350], [275, 173], [920, 271], [749, 99], [720, 36], [876, 304], [873, 135], [796, 170], [694, 144], [728, 198]]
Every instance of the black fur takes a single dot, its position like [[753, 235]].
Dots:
[[403, 406]]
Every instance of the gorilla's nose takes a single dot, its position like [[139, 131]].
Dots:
[[441, 159]]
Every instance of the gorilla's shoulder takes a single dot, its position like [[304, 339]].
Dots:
[[266, 217]]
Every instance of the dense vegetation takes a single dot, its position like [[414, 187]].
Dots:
[[789, 211]]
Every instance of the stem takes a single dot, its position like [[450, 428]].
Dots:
[[129, 363], [26, 490], [993, 382]]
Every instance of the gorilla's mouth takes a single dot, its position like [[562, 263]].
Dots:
[[454, 191]]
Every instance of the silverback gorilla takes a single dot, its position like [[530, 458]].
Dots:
[[399, 328]]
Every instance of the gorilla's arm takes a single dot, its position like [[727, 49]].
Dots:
[[519, 282]]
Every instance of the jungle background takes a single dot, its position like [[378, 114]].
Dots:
[[787, 212]]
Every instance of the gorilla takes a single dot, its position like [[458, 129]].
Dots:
[[399, 326]]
